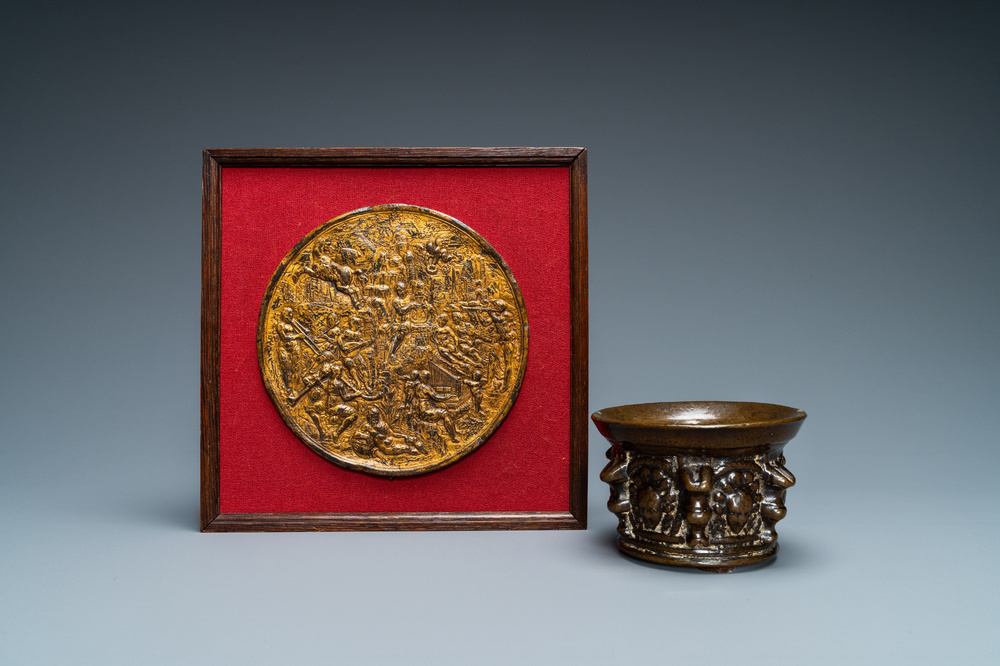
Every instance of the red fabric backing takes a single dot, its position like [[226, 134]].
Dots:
[[523, 212]]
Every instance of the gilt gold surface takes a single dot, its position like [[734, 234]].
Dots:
[[393, 340]]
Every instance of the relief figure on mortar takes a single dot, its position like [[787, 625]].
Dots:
[[698, 502]]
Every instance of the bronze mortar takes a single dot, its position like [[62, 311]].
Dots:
[[698, 484]]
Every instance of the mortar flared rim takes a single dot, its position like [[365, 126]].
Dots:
[[699, 415]]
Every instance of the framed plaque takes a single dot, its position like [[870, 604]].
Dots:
[[394, 338]]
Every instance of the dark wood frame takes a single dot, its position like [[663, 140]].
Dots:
[[213, 162]]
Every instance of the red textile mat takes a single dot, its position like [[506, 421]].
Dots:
[[523, 212]]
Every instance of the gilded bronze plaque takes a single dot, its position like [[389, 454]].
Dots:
[[393, 340]]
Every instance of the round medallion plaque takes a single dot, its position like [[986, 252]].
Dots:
[[393, 340]]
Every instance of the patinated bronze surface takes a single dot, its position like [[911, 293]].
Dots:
[[698, 483], [393, 340]]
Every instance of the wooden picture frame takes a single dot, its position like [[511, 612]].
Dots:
[[213, 491]]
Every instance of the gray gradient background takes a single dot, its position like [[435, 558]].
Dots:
[[796, 203]]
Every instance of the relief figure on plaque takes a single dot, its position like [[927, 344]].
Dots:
[[426, 398], [290, 352], [321, 266]]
